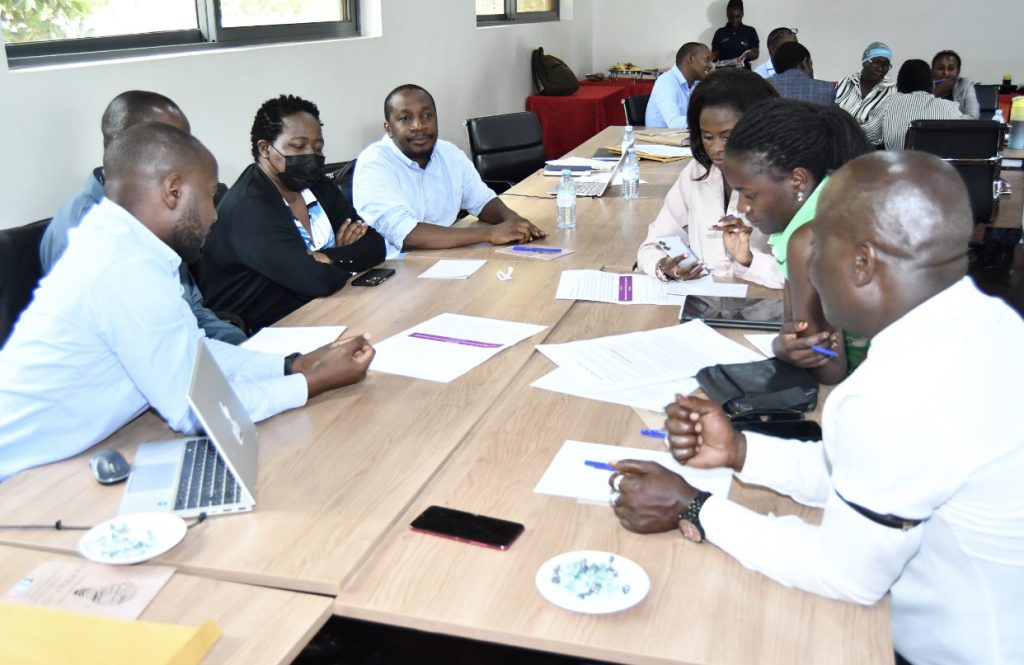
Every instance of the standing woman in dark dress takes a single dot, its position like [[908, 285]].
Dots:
[[735, 39], [285, 234]]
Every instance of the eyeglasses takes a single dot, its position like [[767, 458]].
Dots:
[[880, 63]]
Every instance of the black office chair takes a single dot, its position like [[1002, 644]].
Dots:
[[972, 148], [20, 271], [636, 109], [506, 148], [341, 173], [988, 99]]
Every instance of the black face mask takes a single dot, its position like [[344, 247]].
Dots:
[[301, 171]]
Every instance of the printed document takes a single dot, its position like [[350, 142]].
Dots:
[[763, 342], [638, 289], [447, 346], [569, 474], [288, 340], [652, 396], [648, 357]]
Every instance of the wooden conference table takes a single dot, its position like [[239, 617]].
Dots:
[[259, 625], [341, 478]]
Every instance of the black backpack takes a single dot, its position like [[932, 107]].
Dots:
[[552, 76]]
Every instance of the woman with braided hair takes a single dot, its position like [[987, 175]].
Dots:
[[777, 158]]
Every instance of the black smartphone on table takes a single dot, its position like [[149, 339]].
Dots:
[[373, 277], [467, 527]]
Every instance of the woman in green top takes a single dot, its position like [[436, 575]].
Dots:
[[777, 158]]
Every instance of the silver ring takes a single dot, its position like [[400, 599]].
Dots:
[[613, 498], [616, 481]]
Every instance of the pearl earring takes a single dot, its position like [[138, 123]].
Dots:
[[799, 197]]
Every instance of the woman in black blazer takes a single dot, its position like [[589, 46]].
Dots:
[[284, 234]]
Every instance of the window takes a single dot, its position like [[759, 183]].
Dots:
[[515, 11], [40, 31]]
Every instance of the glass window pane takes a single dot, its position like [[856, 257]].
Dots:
[[246, 13], [76, 19], [527, 6], [490, 7]]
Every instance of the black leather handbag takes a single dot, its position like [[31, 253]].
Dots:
[[766, 387]]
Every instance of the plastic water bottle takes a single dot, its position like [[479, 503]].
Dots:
[[566, 200], [628, 139], [631, 175]]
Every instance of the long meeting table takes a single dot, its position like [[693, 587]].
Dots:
[[340, 479]]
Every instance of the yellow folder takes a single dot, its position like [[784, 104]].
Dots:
[[37, 635]]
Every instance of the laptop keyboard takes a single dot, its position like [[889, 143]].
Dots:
[[589, 188], [205, 479]]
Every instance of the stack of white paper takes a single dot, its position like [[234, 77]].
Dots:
[[569, 474], [447, 346], [638, 289], [641, 369], [593, 164]]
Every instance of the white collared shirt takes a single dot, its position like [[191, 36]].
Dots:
[[393, 193], [929, 427], [107, 335]]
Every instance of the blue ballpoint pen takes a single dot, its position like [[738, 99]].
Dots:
[[523, 248], [823, 351], [599, 465], [653, 433]]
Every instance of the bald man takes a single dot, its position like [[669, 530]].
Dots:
[[128, 109], [919, 471], [108, 334]]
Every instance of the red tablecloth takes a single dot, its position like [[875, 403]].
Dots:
[[568, 121], [629, 87]]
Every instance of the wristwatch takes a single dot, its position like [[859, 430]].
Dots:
[[288, 360], [689, 519]]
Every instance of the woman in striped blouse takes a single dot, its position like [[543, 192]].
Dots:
[[860, 93]]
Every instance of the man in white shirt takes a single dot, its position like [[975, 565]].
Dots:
[[410, 185], [108, 334], [670, 96], [919, 470]]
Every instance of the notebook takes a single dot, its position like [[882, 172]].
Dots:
[[596, 188], [215, 474]]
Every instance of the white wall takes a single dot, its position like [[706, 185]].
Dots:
[[986, 34], [51, 116]]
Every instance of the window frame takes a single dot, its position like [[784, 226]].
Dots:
[[210, 35], [512, 16]]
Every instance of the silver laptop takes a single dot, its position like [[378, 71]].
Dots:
[[596, 188], [215, 474]]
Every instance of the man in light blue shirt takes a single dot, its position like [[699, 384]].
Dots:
[[108, 333], [776, 38], [126, 110], [671, 94], [410, 185]]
